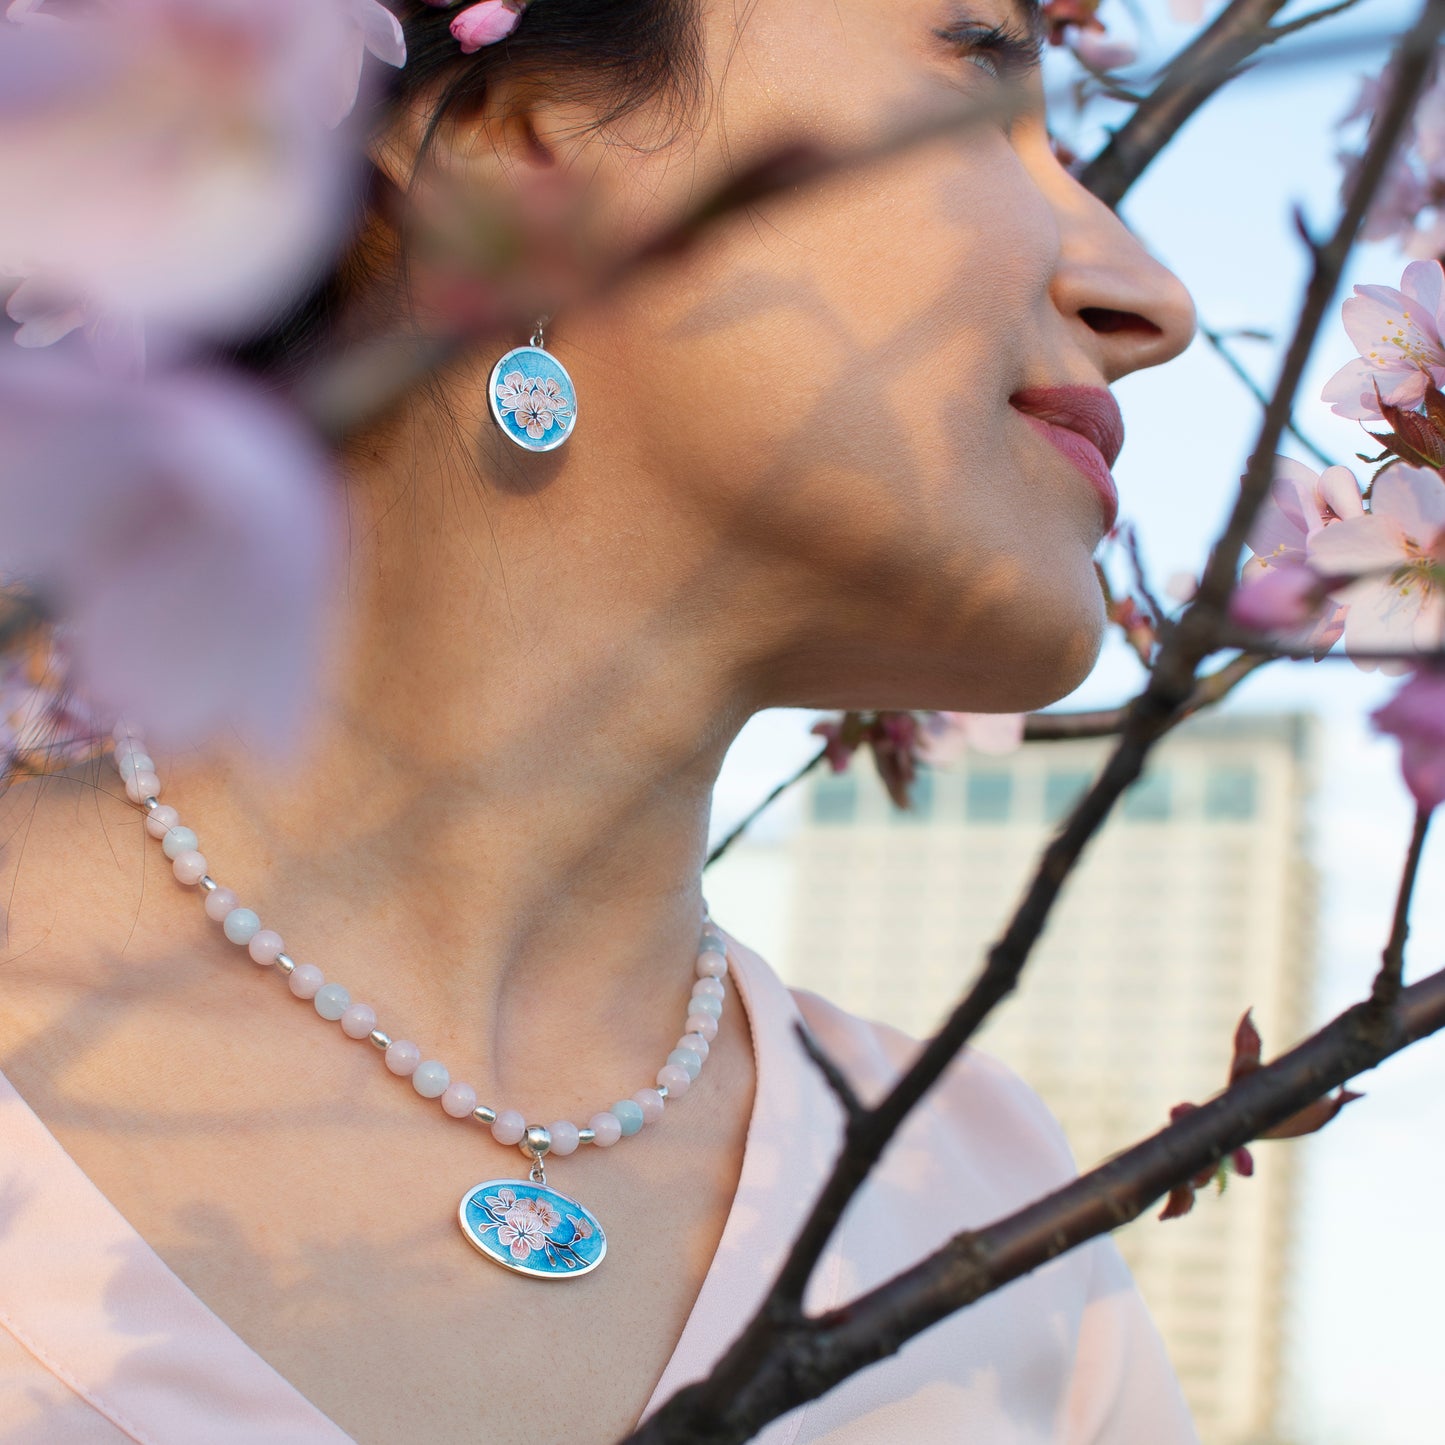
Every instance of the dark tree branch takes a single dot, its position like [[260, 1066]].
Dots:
[[1211, 60], [742, 827], [853, 1107], [809, 1355], [1217, 343], [1392, 961]]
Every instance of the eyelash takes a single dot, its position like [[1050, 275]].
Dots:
[[995, 49]]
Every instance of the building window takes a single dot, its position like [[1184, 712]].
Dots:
[[1147, 801], [987, 797], [1229, 792], [835, 798], [1062, 790], [920, 800]]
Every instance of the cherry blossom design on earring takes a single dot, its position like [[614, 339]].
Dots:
[[533, 399]]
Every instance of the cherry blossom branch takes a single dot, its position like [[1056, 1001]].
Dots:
[[802, 1357], [1216, 341], [769, 1368], [762, 807], [1392, 961], [1206, 64]]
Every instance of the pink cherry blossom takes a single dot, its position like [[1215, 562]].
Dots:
[[1416, 715], [117, 342], [485, 24], [170, 159], [181, 530], [946, 736], [372, 29], [1279, 599], [521, 1232], [1300, 504], [1397, 334], [1098, 50], [1393, 554]]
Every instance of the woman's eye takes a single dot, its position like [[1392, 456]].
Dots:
[[998, 51]]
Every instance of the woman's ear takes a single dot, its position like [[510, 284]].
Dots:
[[512, 208]]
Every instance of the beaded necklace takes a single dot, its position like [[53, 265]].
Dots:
[[524, 1225]]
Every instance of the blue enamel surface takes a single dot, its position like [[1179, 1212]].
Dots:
[[533, 399], [532, 1229]]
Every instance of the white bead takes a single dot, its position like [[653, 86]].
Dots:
[[131, 763], [142, 786], [331, 1001], [179, 840], [430, 1079]]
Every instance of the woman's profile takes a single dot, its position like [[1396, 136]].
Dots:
[[272, 1044]]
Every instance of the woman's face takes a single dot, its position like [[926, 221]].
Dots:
[[870, 396]]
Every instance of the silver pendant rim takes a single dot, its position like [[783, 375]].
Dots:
[[512, 1267], [527, 446]]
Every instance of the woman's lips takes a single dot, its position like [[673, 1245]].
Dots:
[[1084, 423]]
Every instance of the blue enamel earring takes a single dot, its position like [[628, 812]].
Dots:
[[533, 399]]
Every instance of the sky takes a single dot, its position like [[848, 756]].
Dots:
[[1365, 1331]]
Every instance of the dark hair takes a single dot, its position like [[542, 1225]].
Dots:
[[616, 55]]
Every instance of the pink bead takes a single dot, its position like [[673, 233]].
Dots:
[[143, 786], [708, 985], [606, 1129], [459, 1100], [402, 1057], [711, 965], [306, 980], [565, 1138], [651, 1103], [265, 945], [674, 1079], [704, 1024], [189, 867], [358, 1021], [696, 1043], [508, 1127], [219, 902], [160, 822]]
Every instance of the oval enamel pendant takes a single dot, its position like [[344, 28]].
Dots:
[[533, 399], [532, 1229]]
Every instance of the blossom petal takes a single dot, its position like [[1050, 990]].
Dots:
[[1350, 549], [182, 531], [1412, 500]]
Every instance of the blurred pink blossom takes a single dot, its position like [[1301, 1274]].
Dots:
[[1098, 50], [1416, 715], [116, 342], [946, 736], [172, 160], [1395, 554], [181, 530], [1397, 334], [1279, 599]]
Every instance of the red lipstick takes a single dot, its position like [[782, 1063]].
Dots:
[[1084, 423]]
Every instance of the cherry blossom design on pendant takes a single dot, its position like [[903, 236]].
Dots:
[[533, 398], [532, 1229]]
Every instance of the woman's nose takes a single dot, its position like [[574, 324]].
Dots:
[[1126, 309]]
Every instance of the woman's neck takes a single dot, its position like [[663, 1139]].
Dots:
[[495, 830]]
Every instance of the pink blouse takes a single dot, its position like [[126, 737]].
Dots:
[[100, 1342]]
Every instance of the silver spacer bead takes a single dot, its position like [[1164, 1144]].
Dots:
[[536, 1141], [208, 884], [586, 1136], [150, 805], [662, 1089], [484, 1115], [380, 1038], [286, 963]]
